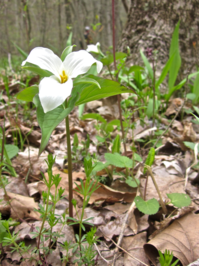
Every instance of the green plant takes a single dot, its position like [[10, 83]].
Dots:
[[166, 258]]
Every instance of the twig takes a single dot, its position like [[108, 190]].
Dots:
[[193, 164], [122, 230], [128, 253], [100, 254]]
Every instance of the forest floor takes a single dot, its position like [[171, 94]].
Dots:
[[111, 207]]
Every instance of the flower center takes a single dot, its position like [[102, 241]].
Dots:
[[63, 77]]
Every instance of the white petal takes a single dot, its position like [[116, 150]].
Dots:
[[92, 48], [77, 63], [45, 59], [52, 93]]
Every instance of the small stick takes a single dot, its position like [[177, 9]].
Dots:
[[132, 207], [128, 253]]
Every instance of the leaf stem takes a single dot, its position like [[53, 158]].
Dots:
[[157, 188], [70, 178]]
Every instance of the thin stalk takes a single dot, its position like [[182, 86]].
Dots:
[[70, 178], [118, 96], [157, 189], [153, 92]]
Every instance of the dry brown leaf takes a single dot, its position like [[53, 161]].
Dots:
[[113, 228], [174, 106], [21, 207], [134, 246], [181, 237], [110, 195]]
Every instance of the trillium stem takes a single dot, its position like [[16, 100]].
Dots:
[[70, 178], [115, 67]]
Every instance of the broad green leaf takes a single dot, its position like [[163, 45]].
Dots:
[[190, 145], [191, 96], [176, 63], [67, 51], [137, 157], [48, 121], [149, 111], [98, 117], [116, 144], [37, 70], [134, 68], [69, 40], [118, 160], [196, 109], [12, 150], [91, 92], [138, 79], [81, 110], [108, 59], [131, 182], [28, 94], [22, 52], [86, 80], [179, 199], [100, 139], [147, 65], [196, 88], [149, 207], [150, 158], [164, 71]]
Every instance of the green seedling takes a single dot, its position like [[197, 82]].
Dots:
[[166, 258]]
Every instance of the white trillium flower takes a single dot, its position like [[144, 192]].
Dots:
[[95, 48], [54, 90]]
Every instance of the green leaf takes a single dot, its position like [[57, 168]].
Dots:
[[176, 63], [116, 144], [12, 150], [81, 110], [100, 139], [118, 160], [66, 51], [164, 71], [91, 92], [69, 40], [196, 109], [98, 117], [137, 157], [109, 58], [86, 80], [129, 181], [149, 111], [147, 65], [22, 52], [150, 158], [191, 96], [148, 207], [179, 199], [28, 94], [190, 145], [48, 121], [196, 88], [99, 166], [37, 70]]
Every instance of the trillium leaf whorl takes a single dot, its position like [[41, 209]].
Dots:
[[54, 90]]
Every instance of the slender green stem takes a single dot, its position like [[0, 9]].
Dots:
[[70, 178], [118, 96]]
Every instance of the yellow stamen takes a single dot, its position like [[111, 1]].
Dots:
[[63, 77]]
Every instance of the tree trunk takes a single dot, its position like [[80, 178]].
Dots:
[[151, 24]]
